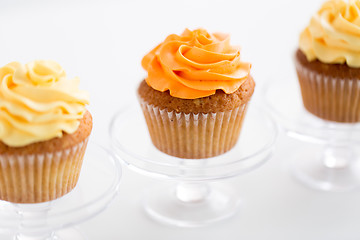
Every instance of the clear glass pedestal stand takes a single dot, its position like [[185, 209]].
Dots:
[[327, 155], [97, 186], [193, 200]]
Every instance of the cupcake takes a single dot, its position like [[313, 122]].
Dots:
[[328, 62], [44, 130], [195, 95]]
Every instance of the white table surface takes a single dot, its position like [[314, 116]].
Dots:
[[103, 42]]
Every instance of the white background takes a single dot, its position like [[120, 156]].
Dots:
[[103, 42]]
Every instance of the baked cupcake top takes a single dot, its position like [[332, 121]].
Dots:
[[195, 65], [333, 34], [38, 102]]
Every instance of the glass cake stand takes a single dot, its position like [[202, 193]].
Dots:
[[98, 185], [327, 157], [191, 201]]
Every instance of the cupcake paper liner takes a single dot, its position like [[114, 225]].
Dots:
[[334, 99], [190, 135], [35, 178]]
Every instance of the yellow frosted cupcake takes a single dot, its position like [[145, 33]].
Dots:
[[196, 94], [328, 62], [44, 130]]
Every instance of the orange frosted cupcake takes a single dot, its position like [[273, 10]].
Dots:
[[196, 94], [328, 62], [44, 130]]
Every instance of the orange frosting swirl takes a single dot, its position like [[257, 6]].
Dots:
[[195, 64]]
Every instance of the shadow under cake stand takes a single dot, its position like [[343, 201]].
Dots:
[[327, 155], [191, 201], [97, 186]]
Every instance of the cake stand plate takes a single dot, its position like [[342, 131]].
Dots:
[[327, 154], [97, 186], [192, 200]]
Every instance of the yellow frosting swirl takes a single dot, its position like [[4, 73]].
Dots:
[[38, 102], [333, 35]]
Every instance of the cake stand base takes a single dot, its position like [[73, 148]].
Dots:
[[64, 234], [190, 204], [327, 169]]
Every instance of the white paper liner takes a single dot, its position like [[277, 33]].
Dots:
[[189, 135], [34, 178], [329, 98]]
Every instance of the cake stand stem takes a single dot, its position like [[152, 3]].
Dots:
[[338, 157], [21, 236], [339, 152], [188, 192], [28, 230]]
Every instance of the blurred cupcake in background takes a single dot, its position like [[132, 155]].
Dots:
[[328, 62], [195, 95], [44, 130]]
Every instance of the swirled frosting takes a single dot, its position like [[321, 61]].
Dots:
[[333, 35], [195, 64], [38, 102]]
